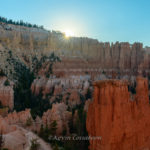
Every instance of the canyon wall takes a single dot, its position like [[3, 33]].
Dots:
[[121, 120], [83, 54]]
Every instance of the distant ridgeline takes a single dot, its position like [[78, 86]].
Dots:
[[20, 23]]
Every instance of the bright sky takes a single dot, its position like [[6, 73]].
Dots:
[[105, 20]]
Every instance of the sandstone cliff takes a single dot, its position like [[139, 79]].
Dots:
[[79, 55], [120, 120]]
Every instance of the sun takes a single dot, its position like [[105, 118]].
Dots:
[[68, 33]]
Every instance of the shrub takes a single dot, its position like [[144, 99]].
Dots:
[[88, 94], [2, 73], [23, 97], [34, 144], [1, 141], [1, 106], [29, 122], [45, 132], [7, 83], [53, 127], [132, 89]]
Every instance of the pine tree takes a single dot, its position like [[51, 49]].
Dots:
[[53, 127], [1, 141], [34, 144]]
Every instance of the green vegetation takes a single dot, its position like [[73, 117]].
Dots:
[[24, 99], [79, 129], [2, 73], [1, 141], [132, 88], [29, 122], [45, 62], [38, 105], [23, 95], [1, 106], [53, 127], [22, 91], [48, 131], [103, 72], [7, 83], [20, 23], [34, 144], [88, 94]]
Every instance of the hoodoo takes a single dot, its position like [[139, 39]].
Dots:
[[121, 120]]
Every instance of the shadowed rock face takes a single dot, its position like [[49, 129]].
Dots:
[[121, 122]]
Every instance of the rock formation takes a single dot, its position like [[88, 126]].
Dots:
[[9, 122], [68, 90], [17, 135], [6, 93], [59, 114], [79, 55], [20, 139], [46, 86], [121, 120]]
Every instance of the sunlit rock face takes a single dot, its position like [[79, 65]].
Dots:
[[79, 55], [121, 120]]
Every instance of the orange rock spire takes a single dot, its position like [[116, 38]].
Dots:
[[122, 122]]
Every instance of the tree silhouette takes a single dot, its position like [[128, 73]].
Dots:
[[1, 140], [20, 23]]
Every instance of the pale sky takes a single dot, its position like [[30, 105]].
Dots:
[[105, 20]]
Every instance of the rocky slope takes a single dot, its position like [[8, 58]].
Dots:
[[21, 140], [121, 120], [16, 133]]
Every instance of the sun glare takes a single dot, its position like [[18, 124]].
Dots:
[[68, 33]]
